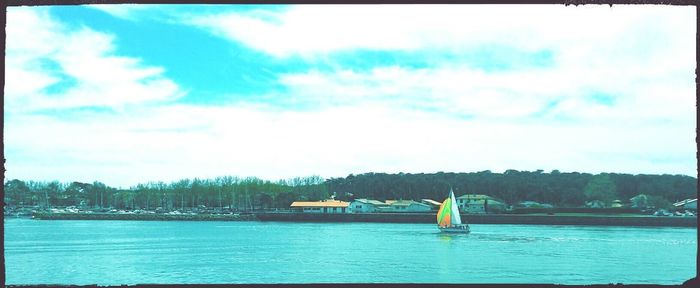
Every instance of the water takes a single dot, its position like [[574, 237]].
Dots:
[[132, 252]]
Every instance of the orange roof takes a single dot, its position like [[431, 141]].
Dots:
[[320, 204]]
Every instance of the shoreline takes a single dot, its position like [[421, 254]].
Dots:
[[595, 220], [142, 217]]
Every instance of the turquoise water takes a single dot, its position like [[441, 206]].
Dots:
[[132, 252]]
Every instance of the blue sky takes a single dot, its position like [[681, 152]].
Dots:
[[132, 93]]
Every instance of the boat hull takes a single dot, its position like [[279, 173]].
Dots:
[[459, 229]]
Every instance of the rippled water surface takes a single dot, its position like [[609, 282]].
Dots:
[[131, 252]]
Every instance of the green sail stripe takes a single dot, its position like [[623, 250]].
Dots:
[[445, 210]]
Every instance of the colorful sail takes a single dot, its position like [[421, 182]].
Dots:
[[456, 219], [444, 214], [448, 218]]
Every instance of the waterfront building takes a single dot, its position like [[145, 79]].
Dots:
[[479, 203], [323, 206], [595, 204], [366, 206], [616, 204], [687, 204], [533, 204], [407, 206], [434, 205]]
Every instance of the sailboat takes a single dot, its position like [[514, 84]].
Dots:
[[448, 218]]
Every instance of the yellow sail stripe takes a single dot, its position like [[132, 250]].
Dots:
[[444, 213]]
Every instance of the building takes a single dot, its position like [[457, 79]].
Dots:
[[616, 204], [687, 204], [434, 205], [478, 203], [406, 206], [528, 204], [595, 204], [366, 206], [533, 204], [323, 206]]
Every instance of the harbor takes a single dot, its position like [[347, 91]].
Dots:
[[143, 216], [529, 219], [473, 209]]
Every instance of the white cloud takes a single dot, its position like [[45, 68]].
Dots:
[[123, 11], [640, 55], [372, 120], [507, 96], [174, 142], [42, 52], [310, 29]]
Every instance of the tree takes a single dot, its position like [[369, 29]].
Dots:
[[570, 189], [601, 187], [100, 189], [52, 190], [77, 192], [17, 193], [658, 202]]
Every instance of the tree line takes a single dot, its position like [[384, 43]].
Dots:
[[560, 189], [224, 192]]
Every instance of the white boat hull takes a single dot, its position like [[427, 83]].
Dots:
[[461, 228]]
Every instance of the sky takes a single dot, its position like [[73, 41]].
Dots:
[[127, 94]]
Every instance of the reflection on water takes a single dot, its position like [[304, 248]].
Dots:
[[447, 237], [444, 236], [124, 252]]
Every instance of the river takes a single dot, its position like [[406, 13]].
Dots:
[[133, 252]]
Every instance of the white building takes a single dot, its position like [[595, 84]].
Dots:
[[616, 204], [533, 204], [595, 204], [407, 206], [366, 206], [323, 206], [687, 204], [432, 203], [478, 203]]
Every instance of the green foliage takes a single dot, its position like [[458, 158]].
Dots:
[[601, 187], [222, 192], [557, 188], [16, 193], [229, 192], [658, 202]]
